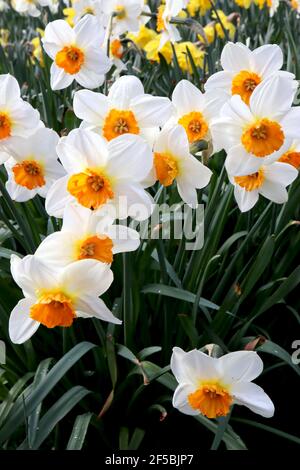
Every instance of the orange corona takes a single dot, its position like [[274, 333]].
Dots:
[[70, 58], [244, 83], [5, 126], [263, 137], [195, 126], [92, 189], [29, 174], [211, 399], [166, 168], [53, 309], [96, 247], [119, 122], [251, 182]]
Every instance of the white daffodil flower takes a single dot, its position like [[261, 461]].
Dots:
[[269, 181], [195, 110], [165, 13], [243, 69], [17, 117], [173, 161], [125, 15], [255, 135], [126, 110], [27, 7], [3, 5], [210, 386], [100, 173], [57, 297], [76, 52], [33, 166], [86, 235], [88, 7], [51, 4], [291, 154]]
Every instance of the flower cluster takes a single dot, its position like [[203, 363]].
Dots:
[[128, 144]]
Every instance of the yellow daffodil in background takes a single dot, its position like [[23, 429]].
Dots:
[[4, 36], [37, 47], [244, 3], [69, 14], [153, 50], [183, 58], [143, 37], [198, 7], [226, 25]]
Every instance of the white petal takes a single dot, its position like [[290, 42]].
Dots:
[[124, 90], [290, 123], [130, 158], [89, 306], [9, 89], [90, 106], [274, 192], [21, 327], [245, 199], [58, 249], [82, 149], [132, 200], [272, 97], [236, 57], [187, 193], [253, 396], [193, 366], [240, 163], [180, 399], [57, 35], [87, 277], [59, 79], [220, 80], [124, 238], [240, 366], [58, 197], [267, 59], [150, 110], [194, 173], [88, 31], [281, 173], [88, 78], [187, 98]]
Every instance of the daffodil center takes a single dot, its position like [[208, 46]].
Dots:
[[29, 174], [54, 308], [119, 122], [244, 83], [211, 399], [116, 48], [91, 188], [292, 157], [195, 126], [166, 168], [5, 126], [97, 247], [70, 58], [263, 137], [251, 182]]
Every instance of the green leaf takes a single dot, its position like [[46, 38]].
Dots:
[[18, 413], [176, 293], [79, 431], [57, 412]]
